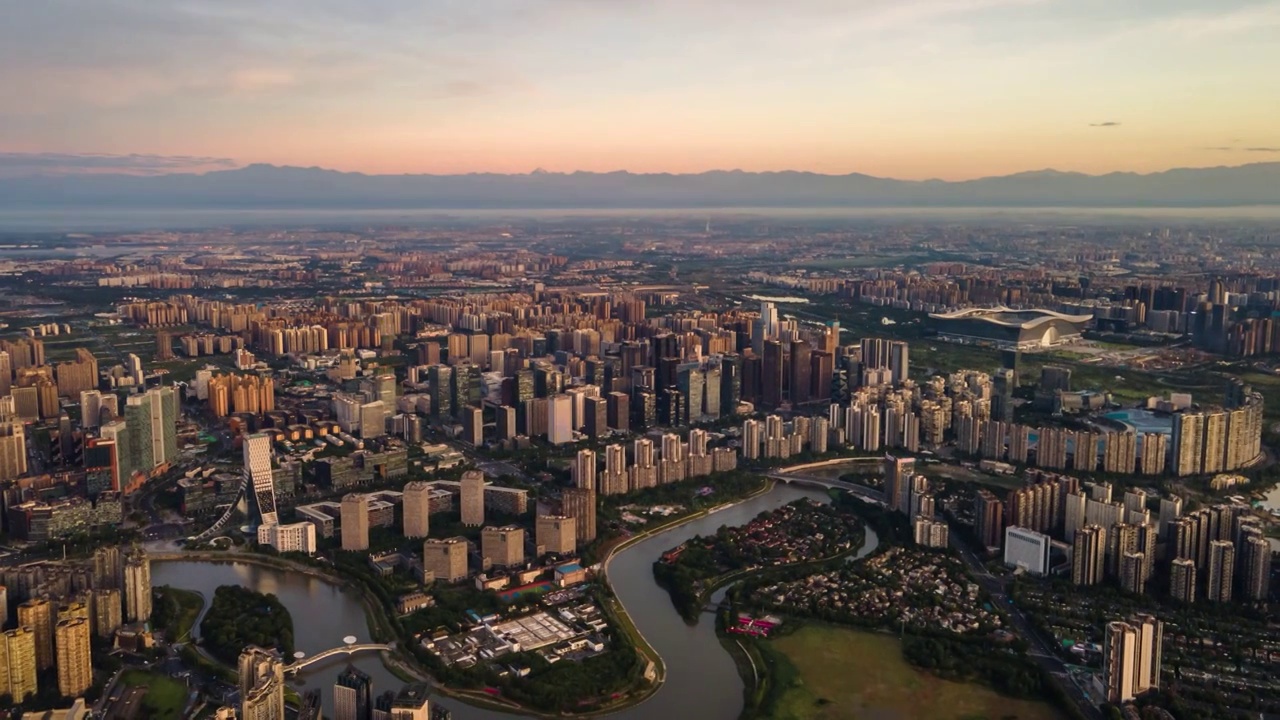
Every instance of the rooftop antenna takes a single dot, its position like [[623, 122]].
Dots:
[[708, 231]]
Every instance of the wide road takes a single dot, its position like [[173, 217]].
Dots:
[[1040, 649]]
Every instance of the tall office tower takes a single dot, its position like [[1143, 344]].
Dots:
[[899, 367], [152, 421], [580, 504], [619, 411], [505, 421], [417, 509], [988, 514], [18, 672], [583, 470], [75, 672], [37, 614], [1182, 580], [13, 450], [595, 417], [107, 612], [771, 374], [353, 695], [355, 522], [1089, 554], [1131, 657], [503, 546], [1255, 567], [137, 586], [445, 559], [556, 534], [1222, 564], [6, 373], [801, 373], [257, 465], [440, 380], [261, 684], [412, 703], [897, 482], [472, 498], [559, 419], [164, 346], [1004, 382], [1188, 443], [4, 607], [473, 426]]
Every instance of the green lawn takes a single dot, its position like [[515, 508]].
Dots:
[[850, 674], [165, 697]]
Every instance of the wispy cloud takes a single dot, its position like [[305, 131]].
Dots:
[[14, 164], [1263, 149], [1107, 124]]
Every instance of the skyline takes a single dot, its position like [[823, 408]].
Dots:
[[948, 89]]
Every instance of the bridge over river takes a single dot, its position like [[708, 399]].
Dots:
[[350, 649]]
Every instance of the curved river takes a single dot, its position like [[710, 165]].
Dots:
[[701, 679]]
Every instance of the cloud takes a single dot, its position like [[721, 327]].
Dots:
[[1220, 148], [1263, 149], [16, 164], [1109, 123]]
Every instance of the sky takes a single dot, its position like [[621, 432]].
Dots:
[[910, 89]]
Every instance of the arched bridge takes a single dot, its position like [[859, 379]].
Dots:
[[344, 650], [799, 478]]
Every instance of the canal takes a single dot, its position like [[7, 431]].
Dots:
[[701, 679]]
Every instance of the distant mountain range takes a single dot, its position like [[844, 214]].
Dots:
[[269, 186]]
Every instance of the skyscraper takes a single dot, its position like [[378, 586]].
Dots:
[[18, 670], [1089, 553], [37, 614], [261, 684], [1131, 657], [137, 586], [1182, 580], [353, 695], [1222, 564], [472, 498], [257, 466], [355, 522], [1255, 568], [897, 482], [152, 437], [417, 509], [75, 673], [13, 450], [583, 470], [580, 504]]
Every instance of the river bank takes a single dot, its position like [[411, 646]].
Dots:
[[698, 678]]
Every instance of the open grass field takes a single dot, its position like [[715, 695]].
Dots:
[[849, 674], [165, 697]]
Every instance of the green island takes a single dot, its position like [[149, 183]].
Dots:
[[799, 532], [238, 617], [174, 611]]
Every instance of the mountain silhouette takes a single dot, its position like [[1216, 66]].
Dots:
[[269, 186]]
